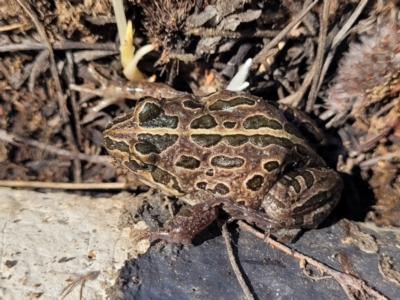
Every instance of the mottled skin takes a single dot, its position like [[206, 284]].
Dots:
[[230, 149]]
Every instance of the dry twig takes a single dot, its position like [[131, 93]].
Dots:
[[339, 37], [261, 57], [16, 140], [10, 27], [80, 279], [53, 67], [324, 20], [372, 161], [234, 265], [24, 46], [295, 99], [74, 103], [70, 45], [76, 143], [211, 32], [64, 185]]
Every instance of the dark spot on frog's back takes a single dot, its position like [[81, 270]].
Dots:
[[188, 162], [311, 133], [255, 183], [153, 116], [206, 140], [271, 166], [165, 178], [224, 105], [289, 128], [229, 124], [220, 188], [302, 150], [259, 121], [210, 172], [307, 129], [201, 185], [113, 145], [158, 142], [227, 162], [266, 140], [205, 122], [288, 112], [146, 148], [155, 143], [235, 139], [192, 104], [290, 181]]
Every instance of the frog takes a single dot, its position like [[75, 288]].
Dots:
[[229, 151]]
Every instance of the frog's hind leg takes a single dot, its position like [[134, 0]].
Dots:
[[300, 199], [303, 198], [186, 224]]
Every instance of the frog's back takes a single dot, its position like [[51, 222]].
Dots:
[[230, 144]]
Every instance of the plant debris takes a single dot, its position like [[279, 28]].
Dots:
[[49, 133], [338, 60], [363, 101]]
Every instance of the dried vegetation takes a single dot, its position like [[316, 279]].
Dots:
[[340, 63]]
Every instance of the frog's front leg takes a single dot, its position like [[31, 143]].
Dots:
[[186, 224], [303, 198]]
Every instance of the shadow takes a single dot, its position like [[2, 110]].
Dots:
[[295, 238], [65, 259], [10, 263], [357, 197], [210, 232]]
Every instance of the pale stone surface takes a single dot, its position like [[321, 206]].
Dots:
[[46, 239]]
